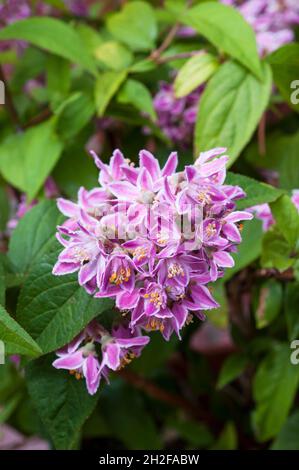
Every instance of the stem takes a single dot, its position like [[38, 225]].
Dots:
[[179, 55], [41, 117], [11, 109], [170, 398], [156, 54], [262, 135]]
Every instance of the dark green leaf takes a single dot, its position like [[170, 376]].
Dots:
[[285, 66], [61, 401], [276, 251], [54, 309], [269, 303], [228, 439], [256, 191], [196, 434], [135, 93], [287, 218], [2, 283], [250, 248], [75, 113], [34, 236], [231, 369], [16, 340], [274, 389], [130, 420], [282, 156], [291, 310], [287, 439], [4, 208], [75, 169]]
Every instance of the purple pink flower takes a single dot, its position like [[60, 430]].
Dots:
[[152, 239], [263, 211]]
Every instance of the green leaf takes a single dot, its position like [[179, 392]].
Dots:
[[276, 251], [287, 439], [226, 29], [137, 430], [220, 316], [61, 401], [230, 109], [113, 55], [90, 37], [249, 249], [75, 169], [291, 310], [107, 85], [269, 303], [228, 439], [282, 155], [149, 363], [256, 192], [194, 72], [27, 159], [54, 309], [9, 407], [2, 283], [75, 113], [135, 25], [54, 36], [274, 389], [16, 340], [196, 434], [4, 208], [287, 218], [135, 93], [232, 367], [285, 67], [58, 77], [34, 236]]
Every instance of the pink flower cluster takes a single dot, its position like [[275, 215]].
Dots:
[[176, 116], [152, 239], [272, 20]]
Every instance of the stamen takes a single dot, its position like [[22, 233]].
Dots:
[[211, 229], [203, 197], [175, 270], [120, 276]]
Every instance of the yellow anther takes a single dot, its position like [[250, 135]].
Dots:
[[140, 253], [120, 276], [203, 197], [175, 270], [211, 229]]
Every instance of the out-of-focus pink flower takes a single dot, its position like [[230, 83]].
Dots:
[[211, 340], [11, 439], [176, 117], [295, 198], [263, 211]]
